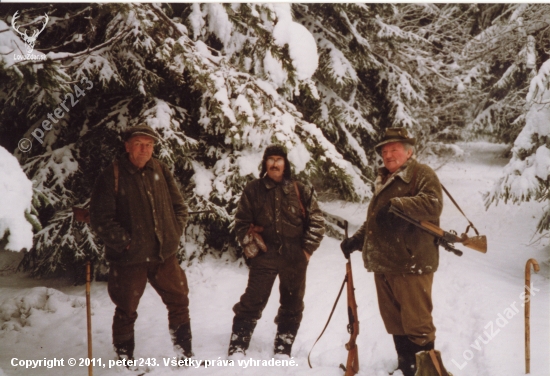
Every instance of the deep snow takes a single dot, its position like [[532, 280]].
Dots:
[[47, 318]]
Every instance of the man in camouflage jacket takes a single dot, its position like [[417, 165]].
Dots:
[[273, 203], [138, 211], [402, 257]]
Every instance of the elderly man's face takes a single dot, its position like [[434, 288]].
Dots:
[[140, 149], [275, 166], [394, 155]]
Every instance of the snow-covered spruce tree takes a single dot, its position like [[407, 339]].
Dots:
[[372, 73], [377, 70], [501, 46], [128, 64], [527, 175]]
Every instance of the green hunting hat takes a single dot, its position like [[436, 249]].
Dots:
[[399, 134], [140, 130]]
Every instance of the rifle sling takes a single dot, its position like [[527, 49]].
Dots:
[[413, 193], [328, 321], [460, 210], [302, 209]]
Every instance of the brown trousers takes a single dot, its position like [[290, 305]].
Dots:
[[405, 302], [127, 284]]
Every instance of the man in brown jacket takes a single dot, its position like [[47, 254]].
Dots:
[[139, 213], [274, 204], [402, 257]]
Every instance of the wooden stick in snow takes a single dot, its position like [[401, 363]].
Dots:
[[528, 311]]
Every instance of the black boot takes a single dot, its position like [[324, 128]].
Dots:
[[181, 338], [125, 350], [409, 356], [241, 334], [286, 334], [400, 347]]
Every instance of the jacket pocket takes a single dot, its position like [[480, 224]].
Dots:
[[291, 230]]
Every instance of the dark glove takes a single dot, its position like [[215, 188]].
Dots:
[[349, 245]]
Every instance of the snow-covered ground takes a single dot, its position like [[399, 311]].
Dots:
[[477, 306]]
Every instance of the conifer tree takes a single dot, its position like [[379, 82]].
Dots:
[[118, 65]]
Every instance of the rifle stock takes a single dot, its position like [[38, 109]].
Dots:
[[352, 363], [477, 243]]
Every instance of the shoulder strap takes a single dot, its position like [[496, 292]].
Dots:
[[302, 209], [413, 189], [460, 210], [115, 168]]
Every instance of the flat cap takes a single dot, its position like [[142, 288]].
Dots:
[[398, 134], [140, 130]]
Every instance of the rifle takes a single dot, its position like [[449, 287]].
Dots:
[[444, 238], [352, 364]]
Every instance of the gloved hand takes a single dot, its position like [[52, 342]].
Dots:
[[253, 242], [349, 245]]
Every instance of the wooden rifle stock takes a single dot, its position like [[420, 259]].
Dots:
[[477, 243], [352, 364]]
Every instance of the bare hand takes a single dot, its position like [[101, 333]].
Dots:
[[307, 255]]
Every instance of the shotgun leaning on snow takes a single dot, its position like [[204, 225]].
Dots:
[[444, 238]]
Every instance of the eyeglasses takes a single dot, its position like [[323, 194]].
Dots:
[[275, 161]]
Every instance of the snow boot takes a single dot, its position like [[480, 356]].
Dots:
[[286, 334], [241, 334], [181, 338], [125, 350], [429, 363]]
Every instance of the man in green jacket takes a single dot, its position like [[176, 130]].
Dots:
[[138, 211], [272, 208], [402, 257]]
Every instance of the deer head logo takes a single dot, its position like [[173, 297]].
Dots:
[[30, 40]]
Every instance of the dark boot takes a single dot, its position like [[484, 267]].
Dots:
[[409, 355], [125, 350], [181, 338], [286, 334], [241, 334], [400, 347]]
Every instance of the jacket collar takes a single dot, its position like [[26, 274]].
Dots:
[[124, 161], [405, 173], [270, 184]]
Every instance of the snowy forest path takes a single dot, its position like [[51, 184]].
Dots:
[[477, 305]]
